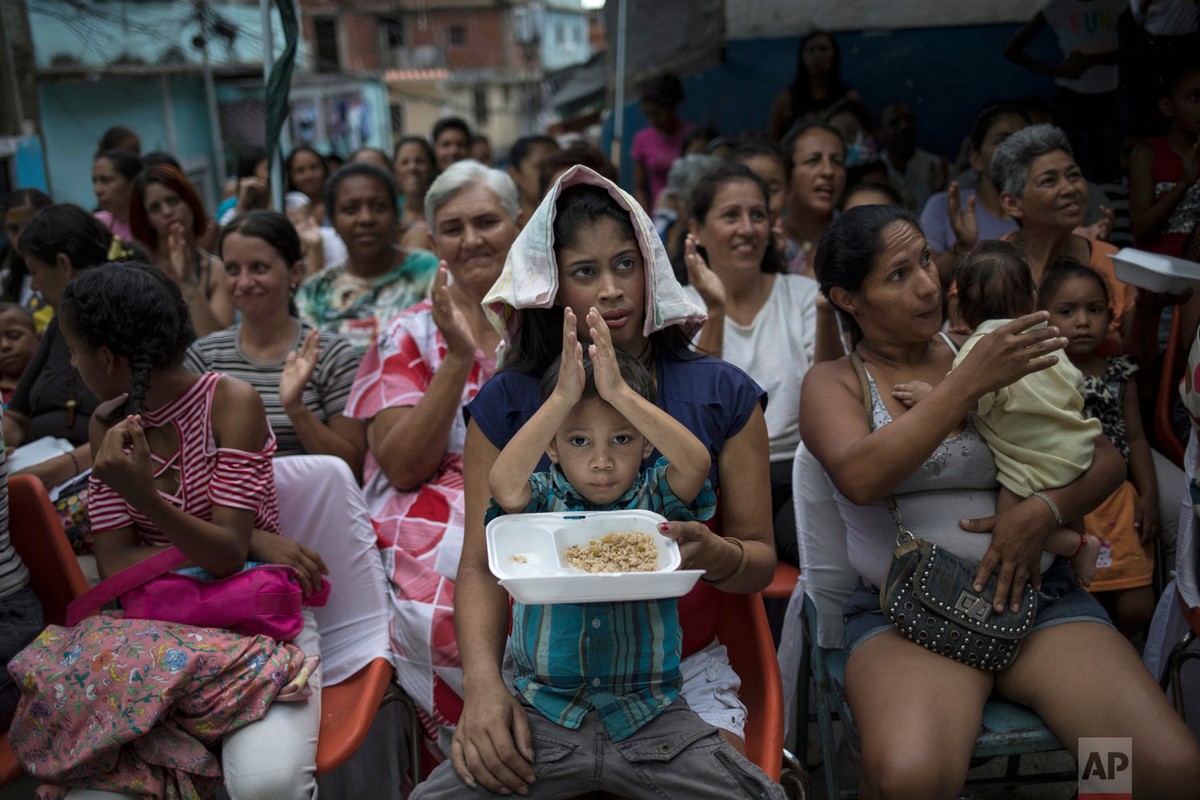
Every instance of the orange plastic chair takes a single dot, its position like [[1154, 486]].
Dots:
[[784, 582], [347, 711], [742, 627], [37, 535], [1168, 390]]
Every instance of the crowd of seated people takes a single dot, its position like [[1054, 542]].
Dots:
[[446, 327]]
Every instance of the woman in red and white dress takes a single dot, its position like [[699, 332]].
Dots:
[[410, 390]]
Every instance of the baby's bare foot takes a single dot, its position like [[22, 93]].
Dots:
[[1084, 563]]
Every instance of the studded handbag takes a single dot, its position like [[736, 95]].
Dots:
[[928, 594]]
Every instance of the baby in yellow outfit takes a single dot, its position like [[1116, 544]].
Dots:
[[1035, 427]]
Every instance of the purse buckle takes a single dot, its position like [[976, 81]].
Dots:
[[974, 606]]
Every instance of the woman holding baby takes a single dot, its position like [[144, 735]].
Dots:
[[1074, 669]]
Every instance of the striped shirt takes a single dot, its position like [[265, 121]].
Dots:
[[208, 475], [13, 574], [620, 660], [324, 395]]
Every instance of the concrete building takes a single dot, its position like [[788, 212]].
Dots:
[[476, 59]]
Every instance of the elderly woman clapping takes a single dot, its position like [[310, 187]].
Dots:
[[414, 381]]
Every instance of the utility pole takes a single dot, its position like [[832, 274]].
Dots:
[[210, 93]]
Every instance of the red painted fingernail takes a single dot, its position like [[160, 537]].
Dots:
[[663, 527]]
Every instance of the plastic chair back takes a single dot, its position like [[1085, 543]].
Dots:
[[743, 628], [37, 535]]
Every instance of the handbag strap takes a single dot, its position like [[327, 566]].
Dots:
[[129, 578], [903, 534]]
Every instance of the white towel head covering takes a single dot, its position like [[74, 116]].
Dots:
[[530, 275]]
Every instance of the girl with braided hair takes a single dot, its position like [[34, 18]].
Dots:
[[184, 459]]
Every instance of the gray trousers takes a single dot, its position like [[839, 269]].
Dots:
[[673, 756]]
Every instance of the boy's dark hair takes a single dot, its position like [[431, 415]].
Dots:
[[248, 159], [1060, 271], [583, 153], [994, 282], [884, 189], [633, 372], [136, 311], [24, 313], [764, 147], [524, 146], [451, 123]]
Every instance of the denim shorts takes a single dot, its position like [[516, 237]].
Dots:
[[1061, 599]]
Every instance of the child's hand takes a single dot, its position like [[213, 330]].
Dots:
[[123, 461], [570, 368], [1101, 229], [1145, 519], [911, 393], [605, 371]]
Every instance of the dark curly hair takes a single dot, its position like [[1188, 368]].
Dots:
[[136, 311]]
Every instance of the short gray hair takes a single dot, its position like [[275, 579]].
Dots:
[[1010, 163], [463, 175], [686, 172]]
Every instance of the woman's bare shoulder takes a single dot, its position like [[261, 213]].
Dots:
[[832, 378]]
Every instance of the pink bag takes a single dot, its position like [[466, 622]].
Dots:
[[261, 601]]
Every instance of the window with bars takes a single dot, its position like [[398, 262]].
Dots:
[[326, 44]]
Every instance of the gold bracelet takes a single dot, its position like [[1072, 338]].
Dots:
[[737, 571], [74, 461]]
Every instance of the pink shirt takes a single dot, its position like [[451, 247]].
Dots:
[[657, 151], [208, 476], [118, 228]]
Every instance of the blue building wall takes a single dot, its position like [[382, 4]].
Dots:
[[574, 48], [945, 74], [76, 113]]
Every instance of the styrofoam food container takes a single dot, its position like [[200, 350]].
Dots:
[[526, 552], [1156, 272]]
